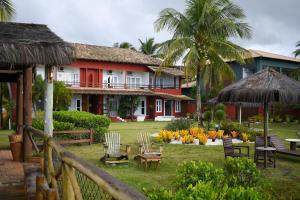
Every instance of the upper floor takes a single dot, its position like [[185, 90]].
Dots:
[[111, 72]]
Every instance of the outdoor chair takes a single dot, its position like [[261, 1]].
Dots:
[[280, 147], [148, 147], [112, 149], [229, 149], [259, 154]]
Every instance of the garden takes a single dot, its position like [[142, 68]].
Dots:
[[188, 161]]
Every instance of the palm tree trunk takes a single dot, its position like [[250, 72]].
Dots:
[[1, 114], [198, 97]]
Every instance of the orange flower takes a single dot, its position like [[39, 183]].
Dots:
[[234, 134]]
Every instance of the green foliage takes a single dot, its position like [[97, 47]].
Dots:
[[240, 193], [277, 119], [179, 124], [149, 47], [127, 106], [241, 172], [201, 191], [190, 173], [61, 94], [7, 10], [57, 126], [207, 115], [85, 120], [219, 115], [159, 194], [220, 106], [124, 45]]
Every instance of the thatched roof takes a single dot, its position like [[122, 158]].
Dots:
[[113, 54], [167, 70], [266, 85], [214, 101], [25, 44], [120, 91]]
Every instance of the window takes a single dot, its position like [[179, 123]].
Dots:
[[133, 82], [177, 106], [78, 104], [143, 107], [158, 105]]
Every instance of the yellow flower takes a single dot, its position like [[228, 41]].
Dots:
[[220, 134], [245, 137], [212, 134]]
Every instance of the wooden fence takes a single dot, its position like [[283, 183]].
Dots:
[[73, 178]]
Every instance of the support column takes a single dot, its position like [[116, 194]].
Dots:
[[27, 109], [240, 113], [266, 128], [20, 104], [48, 101]]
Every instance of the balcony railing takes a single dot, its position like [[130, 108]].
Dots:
[[120, 86]]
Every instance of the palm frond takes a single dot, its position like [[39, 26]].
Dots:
[[7, 10]]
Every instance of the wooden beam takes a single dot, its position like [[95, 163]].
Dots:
[[8, 77], [27, 106], [10, 71], [48, 101], [20, 104]]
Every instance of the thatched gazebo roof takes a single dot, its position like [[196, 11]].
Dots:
[[267, 85], [27, 44], [214, 101]]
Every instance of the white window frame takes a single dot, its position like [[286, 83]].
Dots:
[[177, 106], [134, 82], [76, 104], [158, 105]]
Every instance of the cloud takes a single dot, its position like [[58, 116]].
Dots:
[[275, 23]]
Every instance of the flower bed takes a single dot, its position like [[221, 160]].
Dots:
[[199, 136]]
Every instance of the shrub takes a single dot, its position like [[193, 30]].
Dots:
[[241, 172], [57, 126], [189, 173], [179, 124], [202, 190], [220, 115], [220, 106], [85, 120], [159, 194], [207, 115], [243, 193]]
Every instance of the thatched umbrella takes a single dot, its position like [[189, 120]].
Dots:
[[265, 86]]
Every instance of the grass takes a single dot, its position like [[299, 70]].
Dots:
[[281, 183]]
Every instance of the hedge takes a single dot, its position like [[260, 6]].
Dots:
[[57, 126], [85, 120]]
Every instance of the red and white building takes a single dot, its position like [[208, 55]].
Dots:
[[101, 75]]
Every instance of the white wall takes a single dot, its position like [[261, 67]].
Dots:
[[70, 75], [74, 101]]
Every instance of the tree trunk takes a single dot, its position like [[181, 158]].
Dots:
[[198, 97], [1, 114]]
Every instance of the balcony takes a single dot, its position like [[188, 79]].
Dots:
[[120, 86]]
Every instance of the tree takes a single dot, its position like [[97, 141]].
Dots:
[[124, 45], [297, 51], [7, 10], [61, 94], [201, 37], [149, 47], [128, 105]]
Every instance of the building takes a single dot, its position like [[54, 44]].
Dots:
[[101, 75], [259, 60]]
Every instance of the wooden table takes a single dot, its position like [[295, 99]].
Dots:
[[293, 143], [148, 159], [266, 149]]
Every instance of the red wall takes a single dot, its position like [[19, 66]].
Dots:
[[169, 91], [231, 111]]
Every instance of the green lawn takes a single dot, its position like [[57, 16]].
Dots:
[[282, 182]]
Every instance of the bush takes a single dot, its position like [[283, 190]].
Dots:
[[243, 193], [220, 106], [85, 120], [159, 194], [220, 115], [179, 124], [201, 190], [241, 172], [190, 173], [57, 126], [207, 115]]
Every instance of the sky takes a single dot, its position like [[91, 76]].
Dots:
[[275, 23]]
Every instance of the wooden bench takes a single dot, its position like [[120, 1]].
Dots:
[[149, 159], [75, 141]]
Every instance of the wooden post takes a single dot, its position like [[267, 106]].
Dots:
[[20, 104], [240, 113], [68, 193], [48, 101], [266, 128], [39, 182], [27, 106]]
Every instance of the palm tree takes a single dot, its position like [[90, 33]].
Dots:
[[124, 45], [6, 10], [297, 51], [149, 47], [201, 37]]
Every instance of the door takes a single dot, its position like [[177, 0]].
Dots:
[[92, 78], [168, 108]]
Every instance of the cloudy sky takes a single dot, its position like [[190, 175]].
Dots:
[[275, 23]]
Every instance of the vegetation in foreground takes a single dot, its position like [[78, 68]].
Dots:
[[280, 183]]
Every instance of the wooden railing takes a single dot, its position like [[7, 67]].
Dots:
[[73, 178]]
